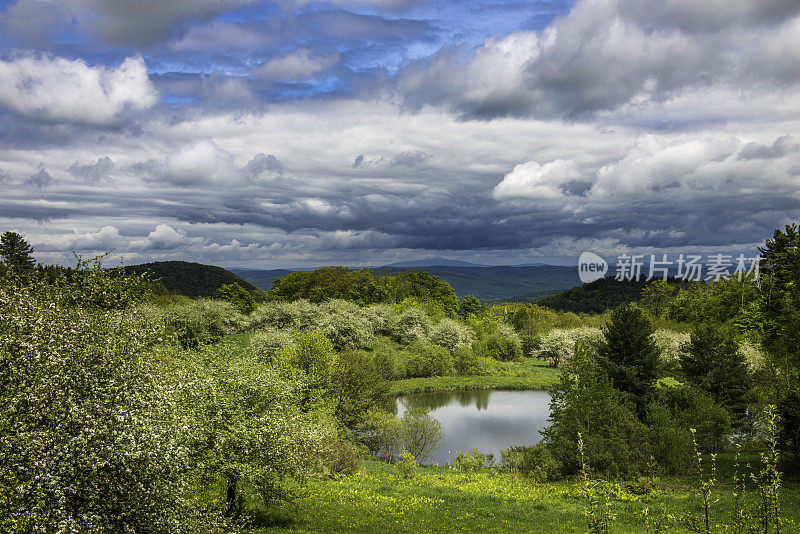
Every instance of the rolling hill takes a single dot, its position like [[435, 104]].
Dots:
[[192, 279]]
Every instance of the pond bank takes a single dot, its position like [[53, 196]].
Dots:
[[541, 379]]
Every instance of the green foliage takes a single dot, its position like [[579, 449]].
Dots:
[[426, 359], [469, 305], [713, 363], [616, 442], [345, 325], [341, 457], [672, 412], [247, 432], [238, 296], [416, 433], [467, 363], [471, 462], [596, 297], [407, 465], [16, 253], [313, 354], [413, 324], [629, 355], [358, 387], [193, 323], [83, 444], [364, 287], [266, 343], [534, 461], [500, 345]]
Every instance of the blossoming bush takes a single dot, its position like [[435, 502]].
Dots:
[[450, 334], [558, 345], [82, 445]]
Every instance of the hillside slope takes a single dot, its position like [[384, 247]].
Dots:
[[192, 279]]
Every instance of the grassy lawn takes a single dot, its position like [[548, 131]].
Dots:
[[438, 499]]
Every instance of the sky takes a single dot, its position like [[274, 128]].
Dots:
[[295, 133]]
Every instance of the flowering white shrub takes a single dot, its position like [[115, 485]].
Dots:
[[267, 342], [82, 445], [381, 318], [413, 324], [671, 344], [345, 325], [558, 345], [450, 334], [753, 354]]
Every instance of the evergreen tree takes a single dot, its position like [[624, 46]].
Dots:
[[713, 363], [16, 253], [629, 354]]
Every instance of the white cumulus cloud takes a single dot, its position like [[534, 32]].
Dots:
[[56, 88]]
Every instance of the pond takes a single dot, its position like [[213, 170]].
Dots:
[[489, 421]]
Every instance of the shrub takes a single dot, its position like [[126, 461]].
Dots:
[[299, 314], [386, 364], [469, 463], [266, 343], [450, 334], [381, 318], [467, 363], [196, 322], [416, 433], [83, 440], [343, 323], [412, 325], [421, 433], [534, 461], [672, 412], [713, 363], [238, 296], [341, 457], [500, 346], [558, 345], [407, 465], [584, 403], [426, 359], [357, 385], [313, 354]]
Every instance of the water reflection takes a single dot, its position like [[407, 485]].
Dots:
[[434, 400], [489, 421]]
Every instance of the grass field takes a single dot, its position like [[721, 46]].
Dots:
[[378, 500]]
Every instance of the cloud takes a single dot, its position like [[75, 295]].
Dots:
[[142, 22], [200, 162], [41, 179], [608, 54], [533, 181], [93, 172], [412, 158], [164, 237], [62, 89], [261, 163], [298, 65]]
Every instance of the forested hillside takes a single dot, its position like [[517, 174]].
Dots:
[[191, 279], [598, 296]]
